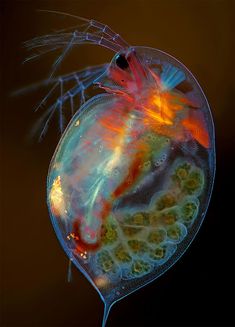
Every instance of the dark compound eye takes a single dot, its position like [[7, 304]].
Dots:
[[121, 62]]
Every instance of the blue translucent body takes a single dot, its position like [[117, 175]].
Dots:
[[149, 227]]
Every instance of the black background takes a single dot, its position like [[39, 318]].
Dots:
[[199, 289]]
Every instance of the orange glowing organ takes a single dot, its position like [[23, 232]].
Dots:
[[163, 109], [196, 125]]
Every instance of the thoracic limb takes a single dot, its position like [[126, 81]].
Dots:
[[82, 79], [87, 32]]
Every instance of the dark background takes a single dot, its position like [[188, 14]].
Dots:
[[199, 289]]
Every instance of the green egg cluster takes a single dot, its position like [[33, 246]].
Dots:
[[174, 232], [167, 200], [188, 178], [154, 217], [137, 241], [158, 253], [156, 236], [182, 171], [106, 262], [130, 231], [121, 254], [194, 182], [137, 246], [139, 219], [140, 267], [109, 233], [189, 210], [169, 216]]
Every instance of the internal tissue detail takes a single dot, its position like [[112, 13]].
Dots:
[[134, 240]]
